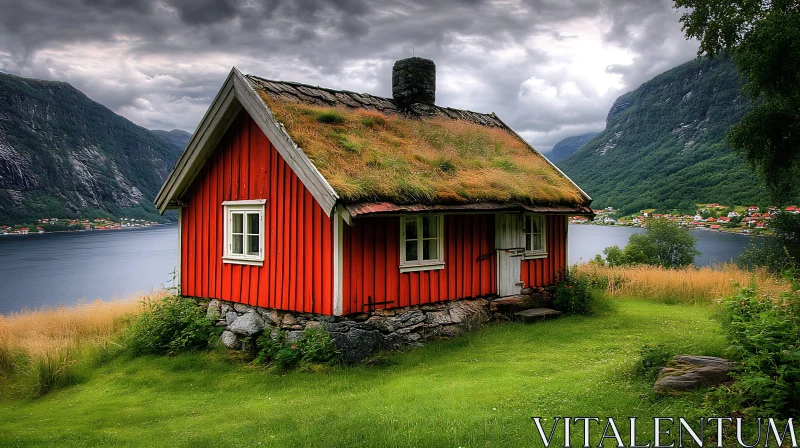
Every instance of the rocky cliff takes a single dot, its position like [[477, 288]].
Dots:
[[664, 144], [64, 155]]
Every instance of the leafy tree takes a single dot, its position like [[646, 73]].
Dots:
[[780, 254], [675, 247], [664, 244], [614, 256], [763, 37]]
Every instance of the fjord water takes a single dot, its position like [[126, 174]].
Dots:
[[56, 269], [586, 241], [65, 268]]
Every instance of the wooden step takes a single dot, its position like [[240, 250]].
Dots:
[[535, 314], [510, 304]]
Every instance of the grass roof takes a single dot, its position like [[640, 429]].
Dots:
[[370, 156]]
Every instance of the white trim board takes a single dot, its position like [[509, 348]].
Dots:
[[338, 263]]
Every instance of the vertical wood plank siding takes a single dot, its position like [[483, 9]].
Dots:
[[546, 271], [372, 259], [297, 274]]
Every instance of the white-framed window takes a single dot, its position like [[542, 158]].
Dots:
[[421, 242], [535, 229], [244, 232]]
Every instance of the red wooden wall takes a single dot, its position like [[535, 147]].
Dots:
[[544, 271], [297, 273], [372, 259]]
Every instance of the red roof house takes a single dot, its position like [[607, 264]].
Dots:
[[301, 198]]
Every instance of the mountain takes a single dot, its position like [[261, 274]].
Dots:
[[664, 146], [568, 146], [176, 137], [64, 155]]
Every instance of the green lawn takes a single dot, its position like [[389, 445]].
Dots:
[[478, 390]]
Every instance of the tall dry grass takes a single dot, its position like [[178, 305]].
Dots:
[[44, 344], [689, 285]]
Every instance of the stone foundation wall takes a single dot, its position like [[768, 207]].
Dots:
[[359, 336]]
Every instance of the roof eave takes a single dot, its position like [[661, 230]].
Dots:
[[365, 209]]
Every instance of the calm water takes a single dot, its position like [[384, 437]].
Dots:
[[586, 241], [65, 268]]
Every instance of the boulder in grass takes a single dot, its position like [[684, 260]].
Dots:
[[686, 373]]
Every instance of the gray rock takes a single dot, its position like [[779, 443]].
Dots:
[[271, 316], [313, 324], [289, 320], [412, 337], [439, 317], [241, 307], [409, 329], [357, 344], [337, 327], [381, 323], [213, 310], [526, 291], [225, 308], [294, 336], [468, 311], [248, 324], [432, 307], [385, 312], [411, 318], [449, 331], [230, 317], [230, 340], [686, 373]]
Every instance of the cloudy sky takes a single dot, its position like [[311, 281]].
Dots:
[[549, 68]]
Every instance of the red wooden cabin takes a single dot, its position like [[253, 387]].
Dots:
[[306, 199]]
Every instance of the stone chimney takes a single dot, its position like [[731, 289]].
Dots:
[[414, 81]]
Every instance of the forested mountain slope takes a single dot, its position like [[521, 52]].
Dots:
[[64, 155], [569, 146], [663, 146]]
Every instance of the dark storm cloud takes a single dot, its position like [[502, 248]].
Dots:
[[160, 62]]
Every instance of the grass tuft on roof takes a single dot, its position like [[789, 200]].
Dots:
[[369, 156]]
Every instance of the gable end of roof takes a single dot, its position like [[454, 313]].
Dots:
[[237, 93]]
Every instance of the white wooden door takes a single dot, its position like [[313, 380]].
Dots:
[[510, 244]]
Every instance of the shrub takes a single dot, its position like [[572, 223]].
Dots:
[[651, 359], [763, 337], [664, 244], [780, 254], [572, 295], [315, 347], [287, 357], [318, 346], [614, 256], [170, 325]]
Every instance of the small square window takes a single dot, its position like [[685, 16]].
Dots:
[[421, 243], [244, 232], [535, 236]]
